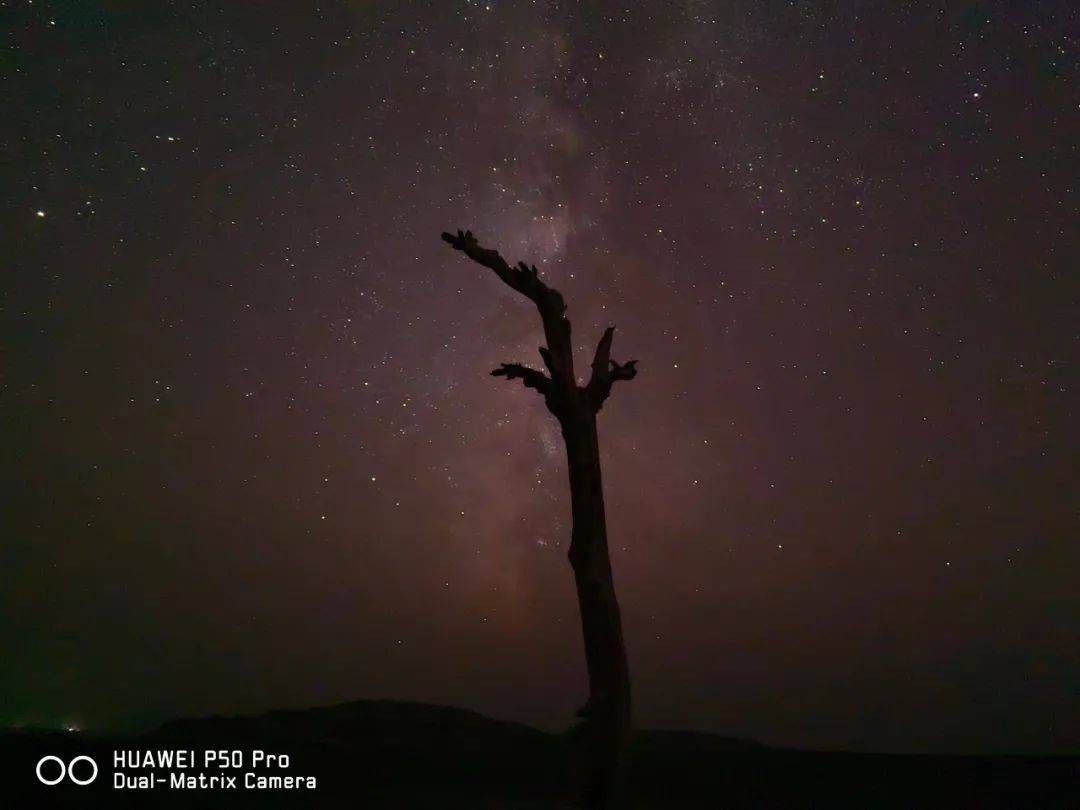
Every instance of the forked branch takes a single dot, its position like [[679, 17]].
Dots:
[[606, 372], [560, 388]]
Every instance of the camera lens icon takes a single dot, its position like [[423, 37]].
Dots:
[[53, 774]]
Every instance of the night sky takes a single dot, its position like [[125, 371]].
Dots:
[[253, 457]]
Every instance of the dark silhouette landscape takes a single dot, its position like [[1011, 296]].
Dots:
[[384, 754]]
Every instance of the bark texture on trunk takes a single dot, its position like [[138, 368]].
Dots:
[[606, 715]]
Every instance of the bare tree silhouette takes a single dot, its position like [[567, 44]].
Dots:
[[606, 715]]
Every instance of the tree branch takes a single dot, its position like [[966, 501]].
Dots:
[[602, 358], [606, 372], [530, 377], [525, 279]]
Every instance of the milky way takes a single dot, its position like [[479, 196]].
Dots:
[[255, 458]]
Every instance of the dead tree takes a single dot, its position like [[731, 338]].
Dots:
[[605, 722]]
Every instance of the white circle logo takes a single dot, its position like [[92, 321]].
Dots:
[[71, 770], [67, 770], [58, 761]]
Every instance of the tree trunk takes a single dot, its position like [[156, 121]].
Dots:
[[606, 715], [605, 724]]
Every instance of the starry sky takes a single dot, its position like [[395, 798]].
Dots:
[[253, 457]]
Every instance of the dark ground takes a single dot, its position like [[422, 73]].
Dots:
[[387, 754]]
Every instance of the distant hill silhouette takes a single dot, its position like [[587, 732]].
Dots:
[[386, 754]]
